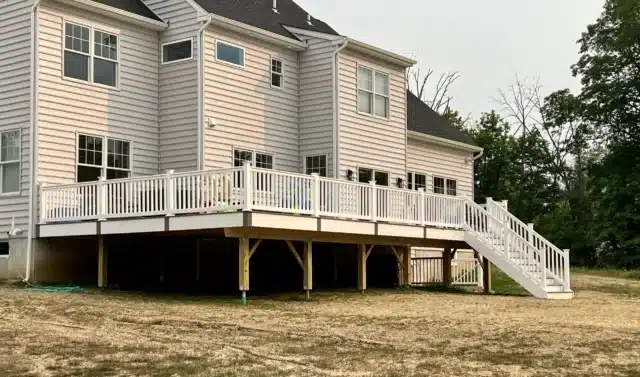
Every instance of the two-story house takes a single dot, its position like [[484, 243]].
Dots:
[[166, 124]]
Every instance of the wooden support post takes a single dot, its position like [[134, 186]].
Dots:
[[446, 267], [243, 267], [307, 267], [406, 266], [362, 268], [486, 275], [103, 262]]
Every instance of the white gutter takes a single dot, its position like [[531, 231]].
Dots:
[[444, 142], [33, 145], [336, 111], [200, 163], [476, 157], [379, 53]]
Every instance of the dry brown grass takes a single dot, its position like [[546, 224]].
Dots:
[[391, 334]]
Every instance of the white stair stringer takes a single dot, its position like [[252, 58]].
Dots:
[[538, 267]]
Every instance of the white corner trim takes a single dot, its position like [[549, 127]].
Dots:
[[314, 34], [442, 141], [117, 13], [371, 50], [255, 32]]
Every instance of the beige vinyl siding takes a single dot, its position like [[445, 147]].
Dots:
[[178, 95], [316, 100], [15, 74], [67, 108], [436, 160], [365, 140], [249, 113]]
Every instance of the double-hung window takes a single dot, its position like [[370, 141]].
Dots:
[[366, 175], [445, 186], [257, 159], [416, 181], [316, 164], [228, 53], [10, 162], [277, 75], [90, 55], [98, 156], [373, 92]]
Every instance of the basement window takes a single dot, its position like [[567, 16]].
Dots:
[[178, 51], [277, 76], [229, 53], [4, 249]]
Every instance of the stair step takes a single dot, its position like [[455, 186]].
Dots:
[[568, 295], [554, 288]]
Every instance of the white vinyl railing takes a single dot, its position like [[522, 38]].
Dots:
[[428, 270], [466, 271], [555, 260], [247, 188]]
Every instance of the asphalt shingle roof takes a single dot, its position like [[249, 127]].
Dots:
[[133, 6], [259, 13], [421, 118]]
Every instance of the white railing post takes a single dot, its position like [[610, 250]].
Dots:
[[170, 193], [543, 260], [43, 204], [567, 270], [248, 186], [373, 204], [423, 207], [102, 198], [315, 195]]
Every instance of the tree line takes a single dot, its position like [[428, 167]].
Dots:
[[569, 163]]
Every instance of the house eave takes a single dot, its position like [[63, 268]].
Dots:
[[376, 52], [443, 142], [312, 33], [117, 13], [255, 32]]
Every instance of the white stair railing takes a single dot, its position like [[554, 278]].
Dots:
[[556, 260], [505, 242]]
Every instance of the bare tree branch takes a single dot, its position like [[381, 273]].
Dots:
[[440, 100]]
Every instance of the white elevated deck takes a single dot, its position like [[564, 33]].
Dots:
[[259, 202]]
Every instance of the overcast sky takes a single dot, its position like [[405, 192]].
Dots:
[[488, 41]]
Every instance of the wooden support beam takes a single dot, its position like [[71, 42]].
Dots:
[[406, 266], [486, 275], [362, 268], [370, 250], [446, 267], [254, 248], [295, 253], [308, 267], [103, 262], [243, 264]]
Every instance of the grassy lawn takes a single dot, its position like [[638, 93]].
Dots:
[[387, 333]]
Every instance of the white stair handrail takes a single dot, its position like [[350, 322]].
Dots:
[[556, 260]]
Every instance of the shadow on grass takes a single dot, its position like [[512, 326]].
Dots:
[[608, 272]]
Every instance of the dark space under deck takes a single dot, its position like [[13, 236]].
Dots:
[[171, 264]]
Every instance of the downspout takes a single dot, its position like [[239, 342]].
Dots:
[[336, 111], [200, 163], [33, 145]]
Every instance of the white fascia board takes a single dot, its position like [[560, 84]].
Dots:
[[117, 13], [314, 34], [376, 52], [443, 142], [200, 10], [255, 32]]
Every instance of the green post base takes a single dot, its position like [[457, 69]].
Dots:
[[244, 298]]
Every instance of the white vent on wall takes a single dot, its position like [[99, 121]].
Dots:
[[275, 6]]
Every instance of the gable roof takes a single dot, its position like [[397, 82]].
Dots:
[[131, 6], [259, 13], [421, 118]]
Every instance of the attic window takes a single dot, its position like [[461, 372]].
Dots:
[[277, 77], [373, 92]]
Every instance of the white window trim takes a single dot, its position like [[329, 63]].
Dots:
[[281, 74], [304, 161], [446, 179], [244, 54], [91, 55], [373, 174], [373, 92], [413, 180], [253, 156], [162, 62], [19, 161], [105, 148]]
